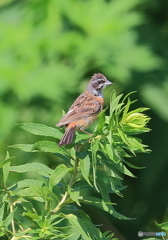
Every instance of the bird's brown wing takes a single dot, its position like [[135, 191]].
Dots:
[[84, 106]]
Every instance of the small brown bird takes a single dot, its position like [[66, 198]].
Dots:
[[85, 108]]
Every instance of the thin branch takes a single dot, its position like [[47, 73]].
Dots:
[[72, 181], [11, 207]]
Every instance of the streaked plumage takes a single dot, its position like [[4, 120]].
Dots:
[[85, 108]]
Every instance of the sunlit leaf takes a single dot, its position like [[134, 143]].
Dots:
[[74, 195], [5, 167], [2, 208], [114, 102], [33, 191], [41, 130], [81, 138], [29, 182], [101, 122], [57, 174], [84, 226], [94, 148], [24, 147], [79, 225], [40, 168], [123, 169], [6, 160], [9, 218], [48, 146], [85, 168]]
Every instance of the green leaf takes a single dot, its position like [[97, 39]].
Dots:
[[57, 175], [131, 165], [133, 144], [41, 130], [9, 218], [48, 146], [29, 182], [101, 122], [98, 203], [80, 227], [80, 137], [34, 192], [5, 167], [113, 172], [94, 149], [37, 167], [23, 147], [114, 101], [85, 168], [128, 95], [138, 110], [123, 136], [30, 214], [109, 236], [2, 212], [109, 150], [126, 108], [163, 226], [106, 198], [114, 186], [6, 160], [84, 226], [44, 146], [74, 195], [122, 168], [122, 152], [82, 184]]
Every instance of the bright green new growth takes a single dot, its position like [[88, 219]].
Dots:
[[48, 205]]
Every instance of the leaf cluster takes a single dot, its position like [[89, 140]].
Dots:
[[49, 206]]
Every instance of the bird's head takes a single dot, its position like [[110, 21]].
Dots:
[[98, 82]]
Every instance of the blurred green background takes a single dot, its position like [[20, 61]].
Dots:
[[50, 49]]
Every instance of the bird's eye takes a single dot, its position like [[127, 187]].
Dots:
[[99, 81]]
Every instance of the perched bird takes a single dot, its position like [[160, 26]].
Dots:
[[85, 108]]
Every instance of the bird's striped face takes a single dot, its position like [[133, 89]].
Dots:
[[98, 82]]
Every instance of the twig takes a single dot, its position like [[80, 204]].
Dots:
[[72, 180]]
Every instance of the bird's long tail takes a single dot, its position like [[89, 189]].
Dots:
[[68, 136]]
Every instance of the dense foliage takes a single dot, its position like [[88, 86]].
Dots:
[[37, 208]]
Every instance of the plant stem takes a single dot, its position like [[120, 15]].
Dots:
[[72, 181], [11, 207], [20, 237]]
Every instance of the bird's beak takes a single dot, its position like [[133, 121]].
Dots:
[[108, 82]]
